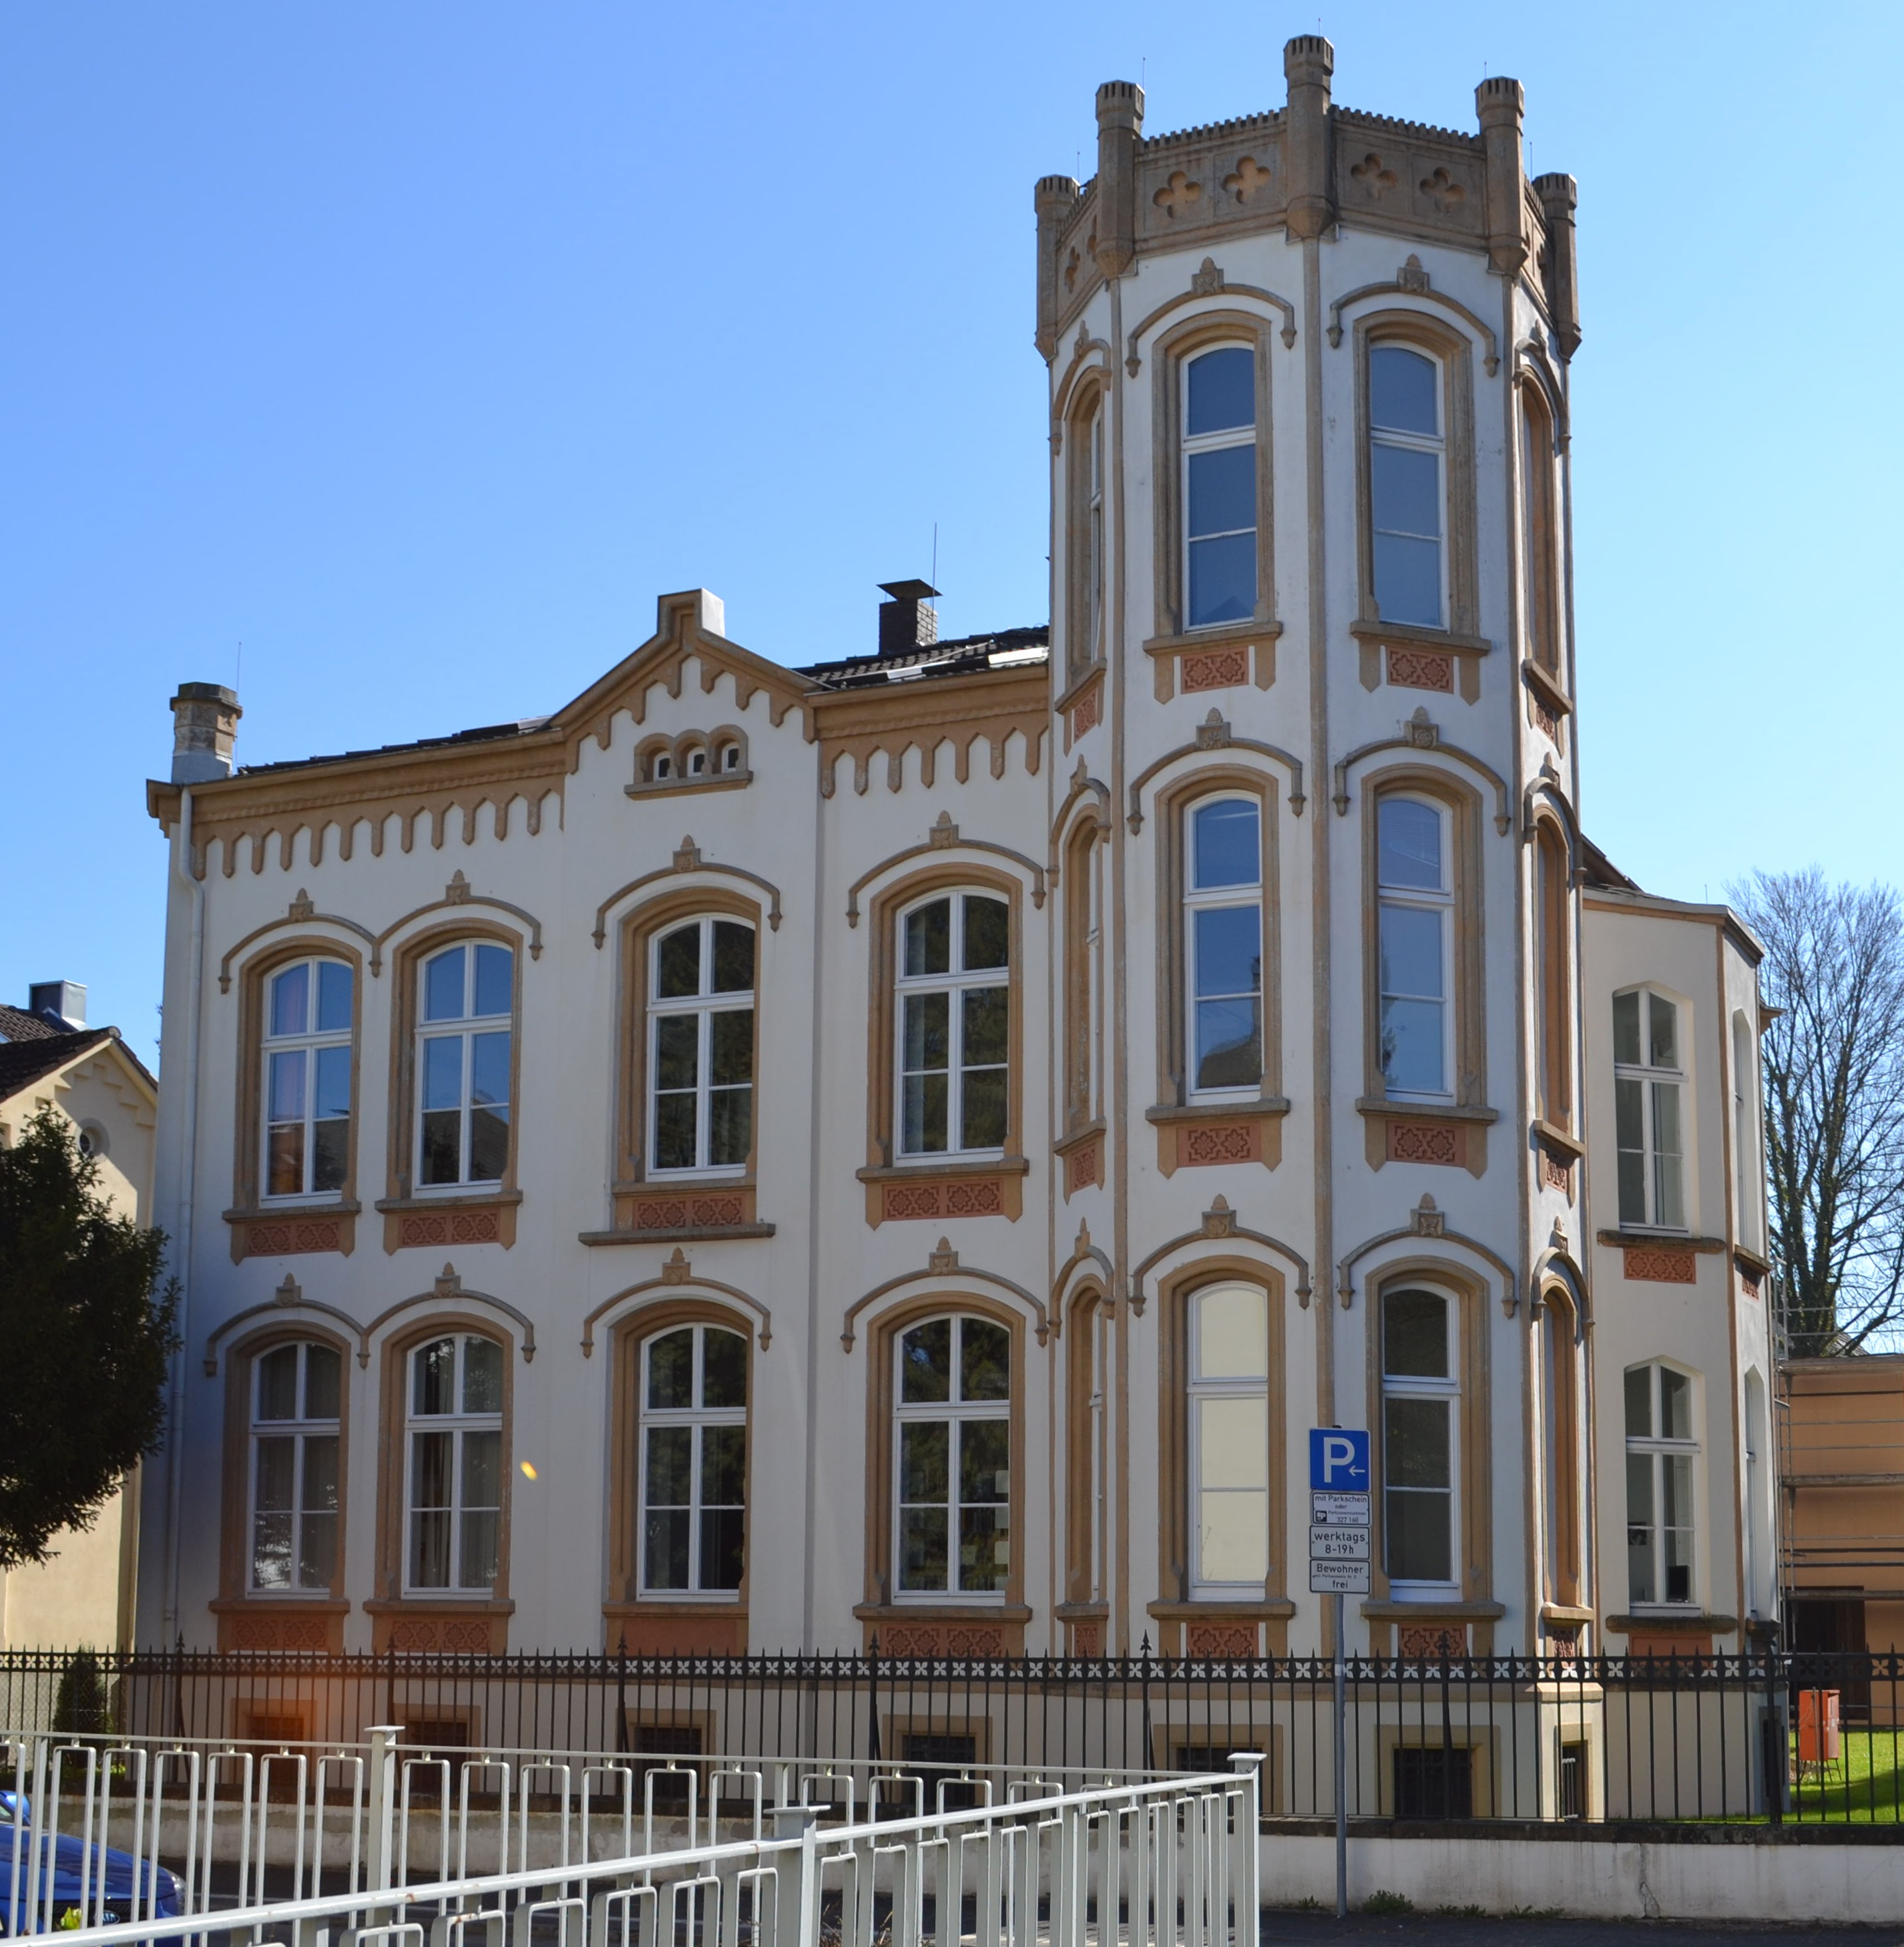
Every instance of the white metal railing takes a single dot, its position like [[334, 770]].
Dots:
[[1110, 1862], [101, 1830]]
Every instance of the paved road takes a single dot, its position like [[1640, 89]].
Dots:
[[1415, 1929]]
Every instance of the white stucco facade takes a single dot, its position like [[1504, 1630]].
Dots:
[[1060, 772]]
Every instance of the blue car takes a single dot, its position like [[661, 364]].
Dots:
[[158, 1892]]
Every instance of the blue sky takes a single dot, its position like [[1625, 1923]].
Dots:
[[416, 348]]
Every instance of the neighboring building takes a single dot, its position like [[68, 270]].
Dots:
[[1843, 1475], [908, 1147], [50, 1059]]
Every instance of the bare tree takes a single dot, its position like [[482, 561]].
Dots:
[[1833, 1069]]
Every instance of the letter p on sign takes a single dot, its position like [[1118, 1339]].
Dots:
[[1338, 1460]]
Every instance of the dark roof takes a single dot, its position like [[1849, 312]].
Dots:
[[23, 1063], [1599, 870], [17, 1024], [965, 655], [486, 733]]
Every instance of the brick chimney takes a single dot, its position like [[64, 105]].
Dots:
[[906, 623], [204, 722]]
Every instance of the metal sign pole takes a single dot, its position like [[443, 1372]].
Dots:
[[1339, 1565], [1342, 1770]]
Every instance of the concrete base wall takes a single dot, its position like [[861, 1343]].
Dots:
[[1766, 1880]]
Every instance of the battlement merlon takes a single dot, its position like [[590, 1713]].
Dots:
[[1305, 169]]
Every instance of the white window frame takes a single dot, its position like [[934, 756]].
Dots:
[[1648, 1079], [1420, 899], [1656, 1449], [697, 1419], [466, 1026], [459, 1424], [1406, 1385], [1198, 899], [300, 1429], [306, 1045], [958, 1413], [1192, 444], [1416, 442], [954, 983], [1251, 1387], [705, 1005]]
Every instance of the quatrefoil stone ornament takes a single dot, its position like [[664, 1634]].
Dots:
[[1250, 176], [1177, 195], [1375, 176], [1444, 192]]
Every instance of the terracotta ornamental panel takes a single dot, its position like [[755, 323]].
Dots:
[[1660, 1264]]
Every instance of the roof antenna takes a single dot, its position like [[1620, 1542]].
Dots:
[[935, 554], [238, 678]]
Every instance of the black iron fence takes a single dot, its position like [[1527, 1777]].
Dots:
[[1761, 1737]]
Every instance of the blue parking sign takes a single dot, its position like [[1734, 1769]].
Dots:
[[1338, 1460]]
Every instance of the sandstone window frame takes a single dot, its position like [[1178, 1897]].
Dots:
[[248, 1186], [698, 1418], [1087, 1455], [1454, 354], [692, 760], [300, 1427], [405, 1123], [460, 1423], [955, 984], [626, 1599], [1175, 350], [703, 1006], [882, 1069], [308, 1045], [1462, 805], [1554, 972], [1176, 1473], [638, 930], [1082, 971], [1174, 805], [236, 1596], [1087, 488], [882, 1598], [1468, 1296], [1537, 522], [1563, 1419], [393, 1602]]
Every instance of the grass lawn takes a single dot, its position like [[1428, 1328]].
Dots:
[[1865, 1786]]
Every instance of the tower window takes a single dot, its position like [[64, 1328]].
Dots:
[[1407, 486], [1219, 487]]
